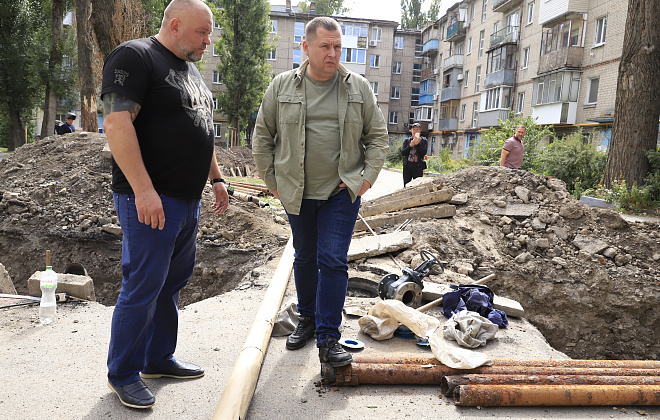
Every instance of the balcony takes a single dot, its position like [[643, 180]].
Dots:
[[426, 99], [508, 35], [431, 47], [448, 124], [455, 31], [569, 57], [450, 93], [489, 118], [555, 113], [455, 60], [503, 77], [428, 73], [504, 6]]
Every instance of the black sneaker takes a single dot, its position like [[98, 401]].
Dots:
[[332, 352], [304, 331]]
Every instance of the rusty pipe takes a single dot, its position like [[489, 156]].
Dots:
[[555, 395], [630, 364], [431, 374], [449, 383]]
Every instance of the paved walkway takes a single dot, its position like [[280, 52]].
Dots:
[[3, 155]]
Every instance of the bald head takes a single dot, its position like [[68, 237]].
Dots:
[[186, 28]]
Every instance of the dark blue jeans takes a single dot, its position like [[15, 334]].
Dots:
[[156, 264], [321, 236]]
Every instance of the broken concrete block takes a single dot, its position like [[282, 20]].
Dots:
[[513, 210], [556, 184], [522, 193], [81, 287], [571, 211], [622, 259], [112, 229], [369, 209], [523, 258], [370, 246], [537, 224], [459, 199], [610, 252], [589, 244], [6, 285], [560, 231]]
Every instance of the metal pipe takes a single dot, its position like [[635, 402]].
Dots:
[[425, 360], [449, 383], [431, 374], [555, 395]]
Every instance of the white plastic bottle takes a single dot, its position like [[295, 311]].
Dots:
[[48, 284]]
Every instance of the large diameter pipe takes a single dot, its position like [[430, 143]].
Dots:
[[431, 374], [236, 397], [630, 364], [555, 395], [449, 383]]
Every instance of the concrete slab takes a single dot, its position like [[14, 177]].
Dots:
[[370, 246], [513, 210], [590, 244], [81, 287], [6, 285], [401, 204], [438, 211]]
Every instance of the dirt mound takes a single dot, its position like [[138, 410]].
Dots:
[[586, 278], [56, 195]]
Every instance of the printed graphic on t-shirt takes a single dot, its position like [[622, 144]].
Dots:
[[120, 76], [412, 156], [195, 99]]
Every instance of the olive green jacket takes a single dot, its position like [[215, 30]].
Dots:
[[278, 141]]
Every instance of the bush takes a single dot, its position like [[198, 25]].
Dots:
[[444, 164], [487, 152], [653, 179], [394, 157], [574, 159]]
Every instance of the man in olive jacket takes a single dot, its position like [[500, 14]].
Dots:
[[319, 143]]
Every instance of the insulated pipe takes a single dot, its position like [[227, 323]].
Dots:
[[431, 374], [555, 395], [425, 360], [449, 383], [242, 382]]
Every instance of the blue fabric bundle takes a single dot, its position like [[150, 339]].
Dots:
[[473, 297]]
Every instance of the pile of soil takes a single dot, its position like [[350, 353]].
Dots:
[[55, 194]]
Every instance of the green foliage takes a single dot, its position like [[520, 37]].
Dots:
[[574, 159], [487, 152], [154, 10], [394, 157], [325, 7], [412, 16], [653, 179], [242, 49]]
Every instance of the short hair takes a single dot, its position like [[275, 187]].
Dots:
[[176, 7], [521, 126], [327, 23]]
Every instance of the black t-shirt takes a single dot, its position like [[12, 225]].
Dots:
[[175, 123]]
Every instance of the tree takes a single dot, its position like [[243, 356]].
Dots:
[[434, 11], [54, 67], [636, 110], [324, 7], [242, 49], [21, 58], [412, 16], [88, 104]]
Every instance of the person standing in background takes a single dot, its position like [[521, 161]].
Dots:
[[414, 150]]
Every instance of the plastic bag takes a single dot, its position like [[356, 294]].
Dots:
[[384, 318], [456, 357]]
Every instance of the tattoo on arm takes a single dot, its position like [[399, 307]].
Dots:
[[114, 102]]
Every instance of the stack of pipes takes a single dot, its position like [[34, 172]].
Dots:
[[511, 382]]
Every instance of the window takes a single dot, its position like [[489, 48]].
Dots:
[[467, 77], [396, 67], [530, 13], [475, 114], [271, 55], [496, 27], [215, 51], [521, 102], [296, 58], [472, 6], [525, 61], [376, 34], [562, 86], [592, 91], [563, 35], [477, 80], [394, 117], [217, 128], [501, 58], [354, 29], [215, 104], [469, 49], [274, 30], [463, 112], [299, 32], [482, 35], [601, 27], [459, 49], [374, 87], [216, 25], [424, 113], [398, 42], [498, 98], [216, 77], [419, 48], [446, 81], [417, 72], [353, 55], [483, 11], [414, 97], [396, 91], [375, 61]]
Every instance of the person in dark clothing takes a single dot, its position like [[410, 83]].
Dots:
[[414, 149], [68, 126]]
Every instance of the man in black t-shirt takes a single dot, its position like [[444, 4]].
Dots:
[[159, 125]]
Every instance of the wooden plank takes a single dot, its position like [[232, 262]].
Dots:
[[418, 201], [439, 211], [370, 246]]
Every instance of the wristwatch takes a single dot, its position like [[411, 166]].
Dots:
[[214, 180]]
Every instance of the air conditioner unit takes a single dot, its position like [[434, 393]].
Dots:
[[430, 126], [296, 45], [435, 97], [373, 43], [459, 77], [435, 71]]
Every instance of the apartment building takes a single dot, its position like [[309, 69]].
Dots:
[[405, 77], [555, 60]]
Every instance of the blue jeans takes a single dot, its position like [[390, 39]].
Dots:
[[156, 264], [321, 236]]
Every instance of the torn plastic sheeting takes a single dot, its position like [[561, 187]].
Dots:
[[384, 318]]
